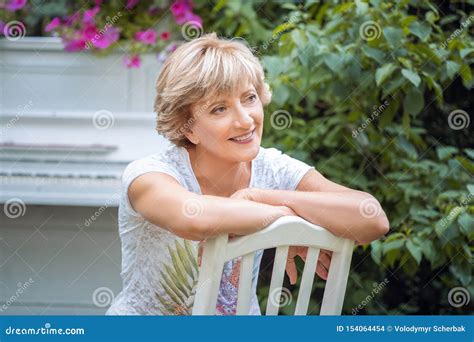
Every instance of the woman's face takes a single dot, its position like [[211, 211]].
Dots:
[[229, 126]]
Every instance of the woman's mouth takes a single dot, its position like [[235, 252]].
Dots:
[[244, 139]]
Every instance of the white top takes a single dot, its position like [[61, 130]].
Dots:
[[146, 248]]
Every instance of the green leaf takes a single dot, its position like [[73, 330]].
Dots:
[[375, 54], [415, 251], [462, 271], [393, 36], [444, 152], [445, 222], [413, 102], [470, 188], [421, 30], [466, 74], [464, 52], [428, 250], [376, 251], [407, 147], [382, 73], [452, 68], [334, 61], [466, 224], [412, 77], [392, 245]]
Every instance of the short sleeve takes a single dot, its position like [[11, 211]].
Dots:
[[287, 171], [140, 167]]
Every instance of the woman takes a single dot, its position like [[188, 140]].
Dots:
[[216, 179]]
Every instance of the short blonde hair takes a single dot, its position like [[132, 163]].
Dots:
[[195, 72]]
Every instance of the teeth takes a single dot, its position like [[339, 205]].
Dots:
[[244, 137]]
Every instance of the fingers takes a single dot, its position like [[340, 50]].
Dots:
[[324, 262], [291, 271], [321, 271]]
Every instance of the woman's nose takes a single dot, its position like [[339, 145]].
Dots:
[[244, 118]]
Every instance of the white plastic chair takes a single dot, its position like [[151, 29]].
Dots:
[[284, 232]]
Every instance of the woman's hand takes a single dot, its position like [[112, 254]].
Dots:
[[324, 259], [249, 194], [322, 266]]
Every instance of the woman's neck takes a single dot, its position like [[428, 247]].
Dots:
[[217, 176]]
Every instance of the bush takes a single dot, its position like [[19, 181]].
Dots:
[[375, 96]]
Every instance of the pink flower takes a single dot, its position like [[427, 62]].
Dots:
[[53, 24], [14, 5], [189, 17], [98, 2], [89, 32], [132, 62], [75, 45], [180, 7], [89, 15], [107, 38], [131, 4], [165, 36], [146, 37]]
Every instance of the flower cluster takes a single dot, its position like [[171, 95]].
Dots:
[[102, 27]]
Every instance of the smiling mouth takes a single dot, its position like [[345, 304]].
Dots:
[[244, 137]]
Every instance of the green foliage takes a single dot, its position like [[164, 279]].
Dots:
[[179, 280], [370, 86]]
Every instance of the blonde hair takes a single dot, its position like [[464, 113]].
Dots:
[[195, 72]]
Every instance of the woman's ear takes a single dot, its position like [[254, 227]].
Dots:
[[191, 136]]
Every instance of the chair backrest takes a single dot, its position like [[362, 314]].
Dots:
[[284, 232]]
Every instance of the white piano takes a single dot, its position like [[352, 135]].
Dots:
[[69, 124]]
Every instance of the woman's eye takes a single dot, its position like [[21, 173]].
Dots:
[[220, 109], [252, 97]]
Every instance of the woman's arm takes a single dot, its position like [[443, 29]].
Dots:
[[353, 215], [161, 200], [348, 213]]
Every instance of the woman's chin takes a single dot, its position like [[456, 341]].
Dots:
[[247, 151]]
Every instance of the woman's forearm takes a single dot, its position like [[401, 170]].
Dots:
[[355, 215], [221, 215]]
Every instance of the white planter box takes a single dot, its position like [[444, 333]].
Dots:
[[39, 69]]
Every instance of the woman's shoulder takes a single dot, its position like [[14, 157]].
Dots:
[[169, 160]]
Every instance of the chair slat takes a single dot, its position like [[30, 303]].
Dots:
[[306, 284], [333, 297], [245, 284], [277, 281]]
